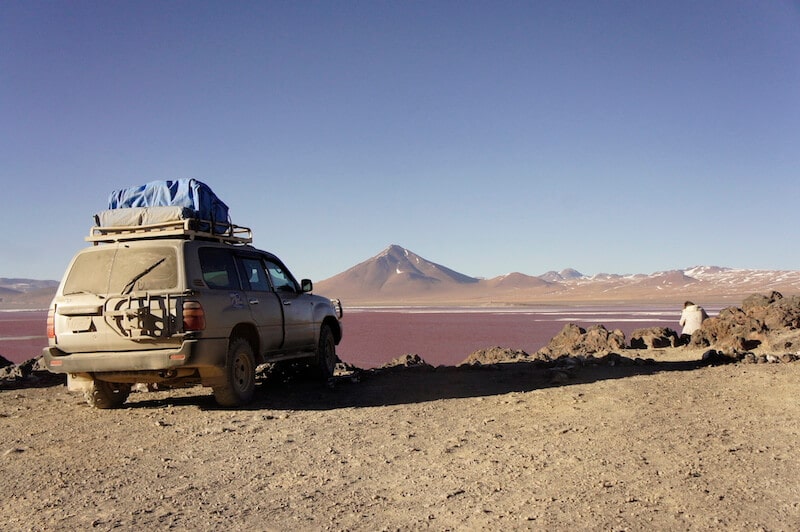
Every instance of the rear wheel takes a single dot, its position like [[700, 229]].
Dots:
[[105, 395], [326, 353], [240, 375]]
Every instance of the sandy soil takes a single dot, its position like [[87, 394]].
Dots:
[[670, 446]]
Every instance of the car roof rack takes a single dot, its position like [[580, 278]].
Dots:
[[187, 228]]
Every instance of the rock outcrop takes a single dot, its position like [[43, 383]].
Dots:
[[574, 340], [496, 355], [770, 323], [411, 360], [654, 338], [28, 374]]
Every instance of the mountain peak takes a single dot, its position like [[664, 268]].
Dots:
[[395, 248], [564, 275], [570, 273], [395, 251], [405, 261], [396, 272]]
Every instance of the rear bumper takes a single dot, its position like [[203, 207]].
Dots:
[[193, 353]]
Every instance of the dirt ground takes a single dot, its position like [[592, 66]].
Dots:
[[675, 445]]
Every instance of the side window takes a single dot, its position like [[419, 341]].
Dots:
[[219, 269], [282, 280], [255, 274]]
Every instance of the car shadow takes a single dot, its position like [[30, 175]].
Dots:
[[415, 384], [33, 380], [411, 385]]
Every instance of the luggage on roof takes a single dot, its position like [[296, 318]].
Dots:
[[129, 216], [182, 207], [202, 203]]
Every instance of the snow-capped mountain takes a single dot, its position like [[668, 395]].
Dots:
[[394, 272], [399, 276], [563, 275]]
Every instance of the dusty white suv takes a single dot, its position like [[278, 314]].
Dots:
[[179, 308]]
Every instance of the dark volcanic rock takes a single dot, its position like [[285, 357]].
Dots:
[[761, 300], [783, 313], [496, 355], [767, 321], [31, 373], [715, 358], [654, 338], [411, 360], [732, 329], [574, 340]]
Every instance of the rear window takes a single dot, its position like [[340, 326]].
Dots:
[[121, 270]]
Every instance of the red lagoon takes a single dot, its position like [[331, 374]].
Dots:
[[446, 336], [442, 336], [23, 334]]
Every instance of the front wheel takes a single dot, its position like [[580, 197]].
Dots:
[[326, 353], [106, 395], [240, 375]]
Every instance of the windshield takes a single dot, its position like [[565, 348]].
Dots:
[[120, 270]]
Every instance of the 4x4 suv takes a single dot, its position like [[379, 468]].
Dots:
[[181, 308]]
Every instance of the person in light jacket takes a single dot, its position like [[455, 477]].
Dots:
[[692, 318]]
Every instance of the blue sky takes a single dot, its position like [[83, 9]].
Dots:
[[490, 137]]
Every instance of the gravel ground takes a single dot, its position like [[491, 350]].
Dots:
[[675, 445]]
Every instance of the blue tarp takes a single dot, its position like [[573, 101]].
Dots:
[[188, 193]]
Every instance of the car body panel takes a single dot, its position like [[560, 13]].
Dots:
[[119, 311]]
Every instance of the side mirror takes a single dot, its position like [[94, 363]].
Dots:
[[306, 285]]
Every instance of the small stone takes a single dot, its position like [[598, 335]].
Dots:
[[14, 450]]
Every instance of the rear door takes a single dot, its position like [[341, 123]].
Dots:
[[116, 296], [225, 301]]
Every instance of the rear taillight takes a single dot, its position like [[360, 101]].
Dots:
[[194, 317], [51, 324]]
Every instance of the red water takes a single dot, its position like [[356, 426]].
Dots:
[[440, 336], [23, 334], [448, 336]]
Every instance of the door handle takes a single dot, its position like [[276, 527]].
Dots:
[[286, 302], [253, 301]]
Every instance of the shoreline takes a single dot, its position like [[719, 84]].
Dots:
[[440, 334]]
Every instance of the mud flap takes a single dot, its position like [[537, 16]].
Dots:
[[79, 382], [212, 376]]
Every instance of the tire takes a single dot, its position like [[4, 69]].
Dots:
[[106, 395], [240, 375], [326, 353]]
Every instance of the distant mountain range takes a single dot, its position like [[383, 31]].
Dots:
[[26, 293], [398, 276]]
